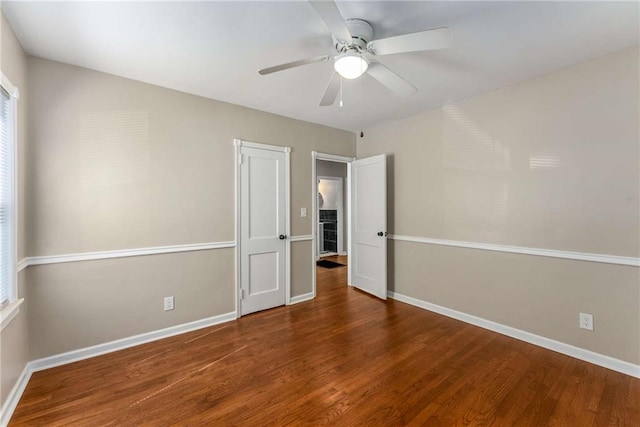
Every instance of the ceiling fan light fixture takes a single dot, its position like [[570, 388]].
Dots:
[[350, 65]]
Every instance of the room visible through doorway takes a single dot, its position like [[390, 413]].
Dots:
[[330, 219]]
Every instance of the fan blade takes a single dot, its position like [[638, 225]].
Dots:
[[331, 92], [390, 79], [332, 18], [439, 38], [293, 64]]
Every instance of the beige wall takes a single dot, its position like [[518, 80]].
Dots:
[[14, 338], [541, 295], [121, 164], [328, 168], [118, 164], [551, 163], [77, 305], [301, 279]]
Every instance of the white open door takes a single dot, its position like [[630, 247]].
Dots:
[[263, 207], [368, 254]]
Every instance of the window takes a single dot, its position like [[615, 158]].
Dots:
[[8, 97]]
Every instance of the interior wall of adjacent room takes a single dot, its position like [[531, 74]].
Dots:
[[14, 337], [551, 163], [338, 170], [119, 164]]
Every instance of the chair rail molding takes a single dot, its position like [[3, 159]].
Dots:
[[90, 256], [553, 253]]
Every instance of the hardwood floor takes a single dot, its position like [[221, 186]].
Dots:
[[342, 359]]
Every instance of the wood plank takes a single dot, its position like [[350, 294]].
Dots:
[[345, 358]]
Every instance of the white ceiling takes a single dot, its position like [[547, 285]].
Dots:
[[214, 49]]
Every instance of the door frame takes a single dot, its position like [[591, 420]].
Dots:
[[314, 208], [239, 143]]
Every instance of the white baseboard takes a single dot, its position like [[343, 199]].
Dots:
[[301, 298], [327, 254], [109, 347], [14, 396], [98, 350], [560, 347]]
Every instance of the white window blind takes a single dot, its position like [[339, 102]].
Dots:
[[6, 197]]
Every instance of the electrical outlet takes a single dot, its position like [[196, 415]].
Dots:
[[586, 321], [168, 303], [303, 212]]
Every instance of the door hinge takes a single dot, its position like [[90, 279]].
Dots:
[[240, 159], [241, 293]]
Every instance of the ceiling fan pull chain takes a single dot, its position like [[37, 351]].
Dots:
[[341, 91]]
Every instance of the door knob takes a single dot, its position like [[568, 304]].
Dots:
[[380, 233], [282, 237]]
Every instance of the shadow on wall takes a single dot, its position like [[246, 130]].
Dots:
[[391, 263], [390, 222], [391, 201]]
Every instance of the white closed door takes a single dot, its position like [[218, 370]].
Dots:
[[263, 228], [368, 255]]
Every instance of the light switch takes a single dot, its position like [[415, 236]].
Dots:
[[303, 212]]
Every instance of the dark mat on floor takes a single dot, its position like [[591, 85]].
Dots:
[[328, 264]]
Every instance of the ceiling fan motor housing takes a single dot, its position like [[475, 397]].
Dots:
[[361, 32]]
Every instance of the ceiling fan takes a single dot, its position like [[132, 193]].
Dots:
[[356, 51]]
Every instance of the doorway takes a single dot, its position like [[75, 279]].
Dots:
[[366, 222], [330, 216]]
